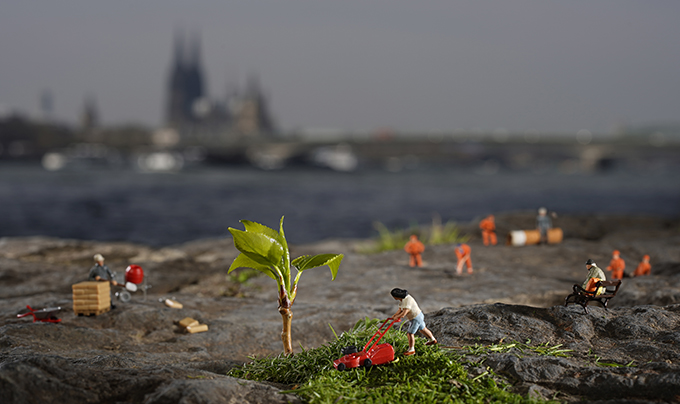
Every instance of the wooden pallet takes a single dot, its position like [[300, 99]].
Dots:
[[91, 298], [92, 313]]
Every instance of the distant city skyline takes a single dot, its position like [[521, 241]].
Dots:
[[357, 65]]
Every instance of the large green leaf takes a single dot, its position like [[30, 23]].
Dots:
[[260, 248], [242, 261], [308, 261], [280, 238], [259, 228]]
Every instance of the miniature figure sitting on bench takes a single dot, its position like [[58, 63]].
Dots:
[[594, 288], [583, 297]]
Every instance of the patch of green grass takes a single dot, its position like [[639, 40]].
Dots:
[[436, 234], [431, 375], [387, 239], [609, 364], [547, 350], [612, 364], [541, 349], [448, 233]]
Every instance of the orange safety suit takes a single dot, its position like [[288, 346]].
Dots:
[[488, 227], [414, 247], [590, 287], [463, 254], [643, 268], [616, 265]]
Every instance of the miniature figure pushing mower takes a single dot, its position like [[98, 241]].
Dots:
[[408, 307]]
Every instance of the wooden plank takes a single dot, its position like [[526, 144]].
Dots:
[[92, 302], [91, 306], [85, 292], [88, 285], [188, 322], [197, 328], [173, 304], [92, 286], [90, 299]]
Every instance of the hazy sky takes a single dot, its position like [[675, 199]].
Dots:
[[358, 64]]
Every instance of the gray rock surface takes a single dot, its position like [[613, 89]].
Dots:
[[620, 354], [137, 353]]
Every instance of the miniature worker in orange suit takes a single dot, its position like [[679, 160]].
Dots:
[[643, 268], [414, 247], [463, 254], [616, 265], [488, 226]]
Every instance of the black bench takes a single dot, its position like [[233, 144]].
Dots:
[[583, 297]]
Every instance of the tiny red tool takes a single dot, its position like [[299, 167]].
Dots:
[[375, 355], [45, 315]]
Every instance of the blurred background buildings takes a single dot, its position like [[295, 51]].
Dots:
[[334, 114], [356, 85], [244, 111]]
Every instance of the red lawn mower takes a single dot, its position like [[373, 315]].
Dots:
[[375, 355]]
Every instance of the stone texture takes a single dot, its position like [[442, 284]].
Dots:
[[137, 352]]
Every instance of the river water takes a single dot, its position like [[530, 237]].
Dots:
[[201, 202]]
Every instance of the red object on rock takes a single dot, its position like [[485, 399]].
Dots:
[[47, 315], [367, 357], [134, 274]]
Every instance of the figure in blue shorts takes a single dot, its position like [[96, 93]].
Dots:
[[409, 308]]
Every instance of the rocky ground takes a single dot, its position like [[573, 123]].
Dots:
[[137, 352]]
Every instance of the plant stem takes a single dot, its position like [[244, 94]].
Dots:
[[286, 333]]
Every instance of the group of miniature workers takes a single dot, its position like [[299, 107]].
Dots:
[[409, 308], [415, 248], [616, 266]]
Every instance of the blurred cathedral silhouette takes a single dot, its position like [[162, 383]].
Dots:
[[241, 113]]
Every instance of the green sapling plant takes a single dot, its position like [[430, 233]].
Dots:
[[266, 250]]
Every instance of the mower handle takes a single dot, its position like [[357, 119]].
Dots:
[[383, 332]]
